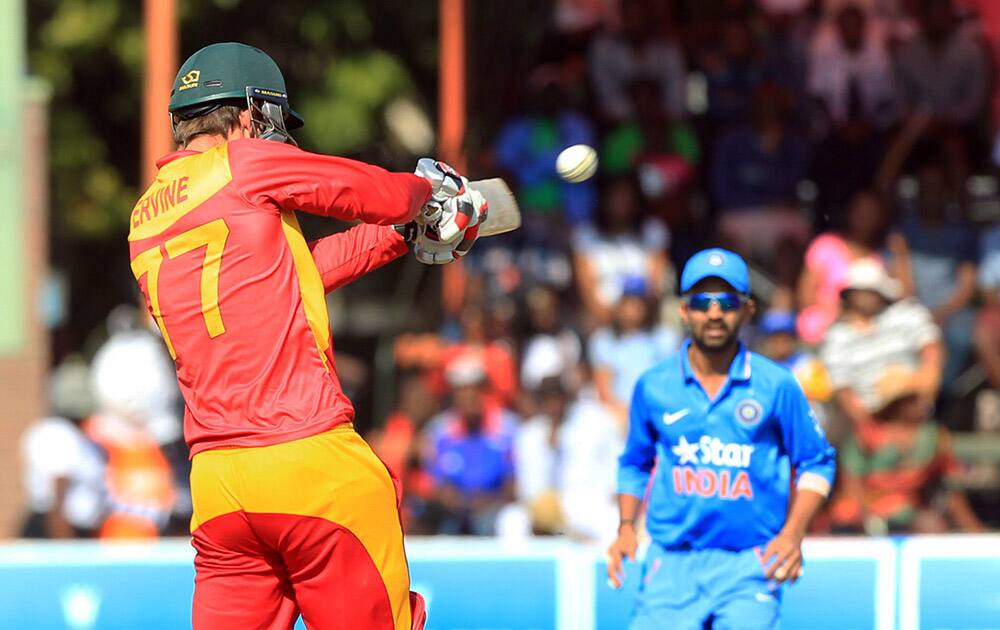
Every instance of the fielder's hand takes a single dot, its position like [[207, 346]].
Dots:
[[623, 547], [782, 558]]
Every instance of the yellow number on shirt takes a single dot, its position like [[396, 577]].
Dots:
[[212, 236], [149, 262]]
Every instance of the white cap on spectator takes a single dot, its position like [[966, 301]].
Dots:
[[543, 359], [466, 370], [869, 275]]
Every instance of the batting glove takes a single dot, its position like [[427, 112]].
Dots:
[[446, 185], [431, 248]]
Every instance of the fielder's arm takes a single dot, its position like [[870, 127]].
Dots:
[[814, 461], [634, 469]]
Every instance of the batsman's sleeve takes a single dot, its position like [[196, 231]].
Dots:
[[283, 177], [636, 461], [814, 460], [346, 256]]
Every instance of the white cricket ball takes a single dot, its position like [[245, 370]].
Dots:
[[577, 163]]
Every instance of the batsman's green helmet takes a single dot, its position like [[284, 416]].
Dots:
[[223, 72]]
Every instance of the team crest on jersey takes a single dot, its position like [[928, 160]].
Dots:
[[749, 412]]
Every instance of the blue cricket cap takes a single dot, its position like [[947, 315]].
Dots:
[[634, 286], [716, 263], [777, 321]]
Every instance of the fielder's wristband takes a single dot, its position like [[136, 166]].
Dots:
[[409, 231]]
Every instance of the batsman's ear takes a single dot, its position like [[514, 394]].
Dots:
[[246, 124]]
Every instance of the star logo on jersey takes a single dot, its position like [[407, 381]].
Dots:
[[687, 452]]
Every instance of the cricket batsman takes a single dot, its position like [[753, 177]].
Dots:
[[730, 433], [293, 513]]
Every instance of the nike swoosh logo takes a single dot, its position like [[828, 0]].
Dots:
[[670, 418]]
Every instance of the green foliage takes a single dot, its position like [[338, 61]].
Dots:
[[343, 61], [341, 115]]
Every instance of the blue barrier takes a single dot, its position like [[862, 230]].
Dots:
[[943, 582]]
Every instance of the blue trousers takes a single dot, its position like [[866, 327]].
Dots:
[[708, 588]]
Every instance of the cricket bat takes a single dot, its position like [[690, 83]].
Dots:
[[504, 214]]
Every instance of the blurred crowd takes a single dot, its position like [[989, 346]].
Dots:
[[846, 148]]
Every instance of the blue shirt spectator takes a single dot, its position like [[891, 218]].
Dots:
[[473, 458], [629, 354], [621, 352], [732, 72], [753, 169], [937, 252], [989, 267], [942, 252], [527, 147]]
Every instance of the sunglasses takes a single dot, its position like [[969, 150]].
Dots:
[[727, 302]]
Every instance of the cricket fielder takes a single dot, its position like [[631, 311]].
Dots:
[[293, 513], [726, 429]]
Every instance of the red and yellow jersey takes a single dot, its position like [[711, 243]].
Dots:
[[237, 292]]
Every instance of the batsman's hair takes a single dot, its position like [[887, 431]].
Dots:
[[218, 122]]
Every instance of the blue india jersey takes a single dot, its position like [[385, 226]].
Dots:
[[723, 467]]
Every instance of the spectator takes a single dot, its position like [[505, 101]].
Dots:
[[527, 147], [907, 482], [844, 164], [780, 343], [829, 258], [942, 71], [134, 376], [475, 344], [621, 352], [942, 252], [552, 347], [650, 132], [987, 329], [851, 76], [877, 329], [63, 470], [565, 457], [754, 177], [572, 17], [636, 51], [471, 456], [850, 70], [943, 79], [397, 443], [620, 247], [733, 70], [787, 36], [664, 150], [135, 386]]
